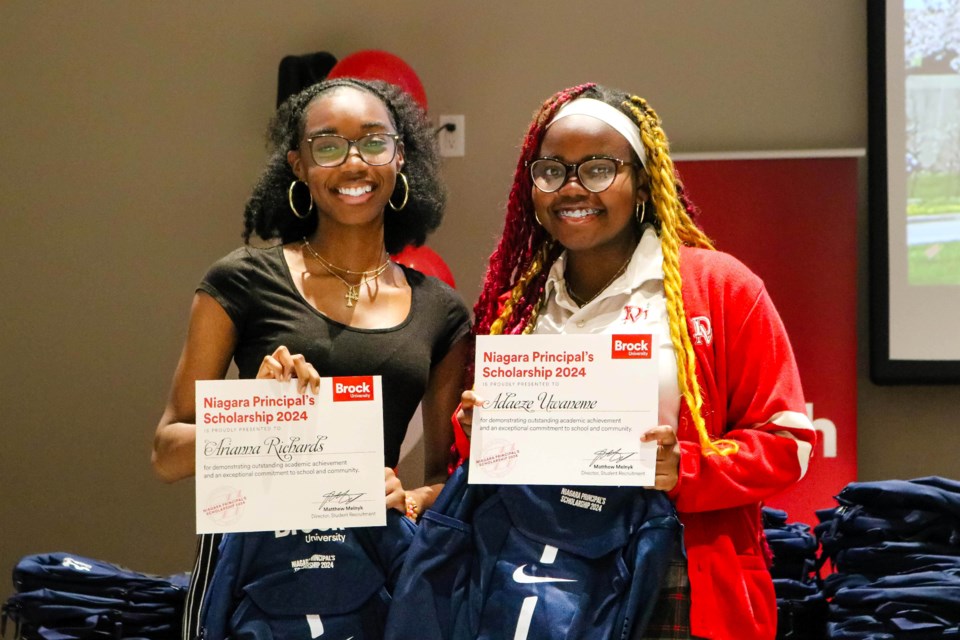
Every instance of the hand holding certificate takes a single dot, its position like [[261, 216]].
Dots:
[[565, 409], [269, 457]]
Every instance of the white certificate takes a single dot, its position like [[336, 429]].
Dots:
[[565, 409], [270, 458]]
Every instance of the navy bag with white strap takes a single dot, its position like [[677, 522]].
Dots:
[[534, 563], [305, 584]]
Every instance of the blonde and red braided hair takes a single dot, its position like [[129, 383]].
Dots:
[[523, 257], [522, 242]]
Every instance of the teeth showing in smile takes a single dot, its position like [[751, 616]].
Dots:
[[578, 213], [355, 191]]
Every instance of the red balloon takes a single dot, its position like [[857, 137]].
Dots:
[[372, 64], [425, 260]]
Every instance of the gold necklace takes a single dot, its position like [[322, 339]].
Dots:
[[329, 265], [353, 290], [580, 302]]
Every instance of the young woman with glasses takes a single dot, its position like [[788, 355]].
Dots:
[[599, 238], [352, 178]]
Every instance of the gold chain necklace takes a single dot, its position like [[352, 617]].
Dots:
[[580, 302], [353, 290], [329, 265]]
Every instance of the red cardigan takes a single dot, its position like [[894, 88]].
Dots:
[[751, 389]]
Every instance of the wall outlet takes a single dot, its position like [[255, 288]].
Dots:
[[451, 143]]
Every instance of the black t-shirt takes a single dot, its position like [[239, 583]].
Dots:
[[255, 288]]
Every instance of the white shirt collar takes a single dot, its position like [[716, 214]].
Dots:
[[646, 263]]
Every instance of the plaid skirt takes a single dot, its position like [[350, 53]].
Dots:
[[671, 614]]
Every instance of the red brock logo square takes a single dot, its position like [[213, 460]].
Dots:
[[352, 388], [632, 345]]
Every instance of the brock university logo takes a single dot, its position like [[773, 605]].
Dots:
[[631, 345], [352, 388]]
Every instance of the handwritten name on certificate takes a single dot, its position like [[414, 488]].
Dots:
[[270, 458], [565, 409]]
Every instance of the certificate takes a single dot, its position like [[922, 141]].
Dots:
[[565, 409], [269, 458]]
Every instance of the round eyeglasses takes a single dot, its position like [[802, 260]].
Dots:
[[331, 150], [596, 174]]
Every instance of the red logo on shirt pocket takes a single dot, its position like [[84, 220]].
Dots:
[[352, 388], [632, 345]]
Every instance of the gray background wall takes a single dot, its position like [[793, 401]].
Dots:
[[132, 133]]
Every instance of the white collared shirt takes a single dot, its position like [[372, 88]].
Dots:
[[634, 302]]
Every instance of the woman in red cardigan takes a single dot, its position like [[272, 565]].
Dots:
[[599, 238]]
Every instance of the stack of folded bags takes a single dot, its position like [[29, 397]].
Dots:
[[895, 548], [62, 596], [801, 606]]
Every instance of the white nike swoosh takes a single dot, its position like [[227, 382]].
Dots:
[[522, 578]]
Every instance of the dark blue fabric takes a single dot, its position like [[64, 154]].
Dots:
[[931, 494], [773, 518], [844, 625], [896, 547], [62, 596], [794, 551], [787, 589], [267, 584], [854, 526], [48, 605], [53, 615], [907, 624], [802, 619], [936, 591], [887, 558], [79, 574], [479, 556], [801, 604]]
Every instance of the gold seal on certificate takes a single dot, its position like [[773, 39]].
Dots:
[[565, 409], [269, 458]]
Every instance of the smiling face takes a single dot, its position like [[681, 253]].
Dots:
[[354, 192], [578, 219]]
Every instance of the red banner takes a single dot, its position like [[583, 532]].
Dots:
[[793, 222]]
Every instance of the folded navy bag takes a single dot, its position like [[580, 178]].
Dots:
[[64, 596]]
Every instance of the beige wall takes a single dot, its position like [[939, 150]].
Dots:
[[131, 135]]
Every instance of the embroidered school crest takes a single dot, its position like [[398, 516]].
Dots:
[[632, 314], [702, 330]]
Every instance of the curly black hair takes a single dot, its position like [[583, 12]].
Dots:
[[268, 214]]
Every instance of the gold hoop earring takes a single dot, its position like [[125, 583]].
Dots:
[[641, 211], [293, 207], [536, 217], [406, 194]]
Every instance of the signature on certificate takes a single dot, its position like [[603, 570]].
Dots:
[[611, 456], [339, 497]]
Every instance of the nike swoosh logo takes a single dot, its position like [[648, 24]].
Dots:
[[522, 578]]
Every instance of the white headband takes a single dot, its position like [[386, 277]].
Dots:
[[605, 113]]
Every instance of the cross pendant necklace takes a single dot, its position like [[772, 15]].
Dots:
[[352, 295]]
